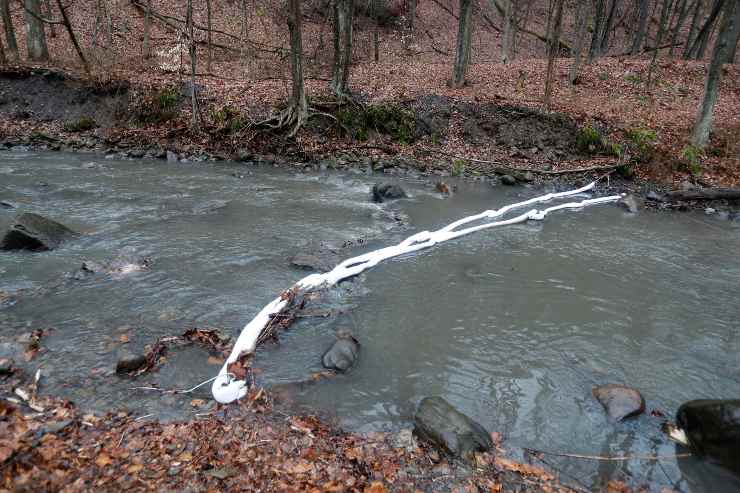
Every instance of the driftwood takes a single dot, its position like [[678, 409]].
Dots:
[[705, 194]]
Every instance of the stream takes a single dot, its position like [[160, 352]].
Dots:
[[514, 325]]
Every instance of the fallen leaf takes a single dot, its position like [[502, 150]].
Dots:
[[124, 338], [222, 472], [134, 468], [185, 457], [197, 402], [375, 487], [103, 460], [300, 467]]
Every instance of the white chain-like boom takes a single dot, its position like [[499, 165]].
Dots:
[[228, 389]]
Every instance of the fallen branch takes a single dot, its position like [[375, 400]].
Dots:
[[705, 194], [616, 458], [501, 169]]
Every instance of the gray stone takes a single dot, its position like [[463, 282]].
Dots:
[[654, 196], [508, 180], [437, 422], [619, 401], [629, 203], [33, 232], [6, 204], [6, 366], [387, 191], [343, 353], [172, 157]]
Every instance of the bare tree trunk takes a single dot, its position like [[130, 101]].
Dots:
[[72, 37], [298, 110], [682, 14], [643, 13], [343, 10], [49, 15], [412, 15], [376, 45], [599, 22], [553, 51], [726, 40], [581, 25], [464, 36], [692, 30], [507, 41], [195, 120], [3, 60], [35, 35], [604, 47], [9, 30], [658, 39], [146, 48], [209, 52], [699, 46]]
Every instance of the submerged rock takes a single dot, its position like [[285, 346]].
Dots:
[[620, 402], [437, 422], [129, 363], [629, 203], [343, 353], [6, 204], [322, 262], [172, 157], [508, 180], [34, 232], [387, 191], [712, 428]]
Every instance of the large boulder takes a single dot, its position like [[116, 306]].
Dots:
[[437, 422], [387, 191], [712, 428], [620, 402], [33, 232], [342, 355]]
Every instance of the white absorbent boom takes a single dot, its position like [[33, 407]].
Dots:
[[226, 388]]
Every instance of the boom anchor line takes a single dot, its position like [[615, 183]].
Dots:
[[226, 388]]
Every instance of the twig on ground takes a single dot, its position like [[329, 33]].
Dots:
[[616, 458]]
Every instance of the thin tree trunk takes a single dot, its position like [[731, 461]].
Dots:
[[553, 51], [692, 30], [9, 30], [3, 60], [702, 38], [209, 52], [195, 120], [464, 36], [146, 48], [593, 52], [608, 28], [726, 40], [376, 45], [35, 35], [412, 15], [658, 39], [682, 14], [581, 25], [298, 104], [72, 37], [49, 15], [507, 41], [343, 10], [245, 25], [642, 22]]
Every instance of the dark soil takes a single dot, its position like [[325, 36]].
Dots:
[[43, 95]]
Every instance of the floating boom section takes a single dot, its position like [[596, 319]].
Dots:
[[227, 389]]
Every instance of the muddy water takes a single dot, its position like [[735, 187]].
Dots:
[[514, 325]]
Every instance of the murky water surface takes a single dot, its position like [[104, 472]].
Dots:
[[514, 325]]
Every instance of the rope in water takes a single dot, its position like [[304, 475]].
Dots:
[[227, 389]]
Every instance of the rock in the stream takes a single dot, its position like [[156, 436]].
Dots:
[[654, 196], [712, 428], [33, 232], [343, 353], [387, 191], [449, 430], [620, 402], [129, 363], [629, 203], [172, 157], [508, 180], [6, 366], [6, 204], [322, 262]]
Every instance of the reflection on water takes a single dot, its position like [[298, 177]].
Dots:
[[514, 326]]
